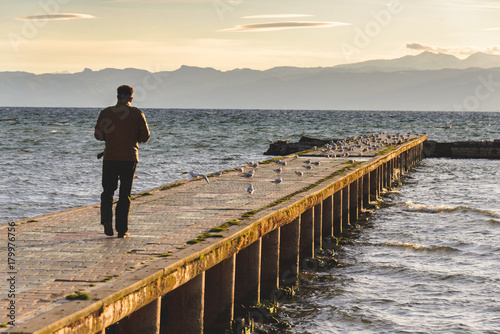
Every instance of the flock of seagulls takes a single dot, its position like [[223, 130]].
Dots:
[[362, 145], [251, 173]]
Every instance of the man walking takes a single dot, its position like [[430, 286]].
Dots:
[[122, 127]]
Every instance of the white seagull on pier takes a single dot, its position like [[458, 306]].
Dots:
[[250, 174], [278, 180], [194, 176], [250, 189]]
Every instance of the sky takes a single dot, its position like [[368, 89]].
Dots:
[[54, 36]]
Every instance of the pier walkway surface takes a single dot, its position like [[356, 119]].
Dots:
[[59, 253]]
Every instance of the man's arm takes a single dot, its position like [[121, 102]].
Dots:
[[98, 133], [144, 133], [103, 126]]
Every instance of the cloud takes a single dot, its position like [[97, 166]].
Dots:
[[59, 16], [161, 1], [479, 5], [273, 26], [275, 16], [456, 50], [424, 47]]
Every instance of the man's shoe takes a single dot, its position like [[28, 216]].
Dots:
[[123, 235], [108, 230]]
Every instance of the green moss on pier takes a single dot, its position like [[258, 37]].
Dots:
[[78, 295], [386, 150]]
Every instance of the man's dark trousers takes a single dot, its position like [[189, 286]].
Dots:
[[111, 172]]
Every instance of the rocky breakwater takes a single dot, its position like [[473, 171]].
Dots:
[[283, 147], [483, 149], [362, 146]]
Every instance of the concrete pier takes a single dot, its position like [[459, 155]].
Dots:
[[197, 251]]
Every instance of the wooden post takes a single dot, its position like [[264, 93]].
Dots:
[[145, 320], [353, 201], [219, 296], [366, 190], [307, 233], [185, 307], [373, 185], [247, 277], [345, 207], [360, 194], [385, 177], [270, 263], [327, 222], [289, 252], [399, 165], [405, 161], [380, 180], [318, 227], [390, 172], [337, 213]]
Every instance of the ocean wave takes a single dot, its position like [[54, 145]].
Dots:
[[410, 246], [60, 124], [412, 207]]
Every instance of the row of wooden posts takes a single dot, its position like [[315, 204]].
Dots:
[[206, 303]]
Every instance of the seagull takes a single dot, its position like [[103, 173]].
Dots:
[[278, 170], [250, 174], [298, 173], [194, 176], [277, 181], [250, 189], [218, 174], [317, 163], [240, 169], [308, 161], [308, 166]]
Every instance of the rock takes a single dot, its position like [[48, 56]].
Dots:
[[283, 147]]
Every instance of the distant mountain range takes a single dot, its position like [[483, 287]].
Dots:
[[427, 81]]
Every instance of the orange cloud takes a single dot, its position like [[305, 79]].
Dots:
[[272, 26], [59, 16]]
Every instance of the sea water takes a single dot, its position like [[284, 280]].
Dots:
[[425, 262]]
